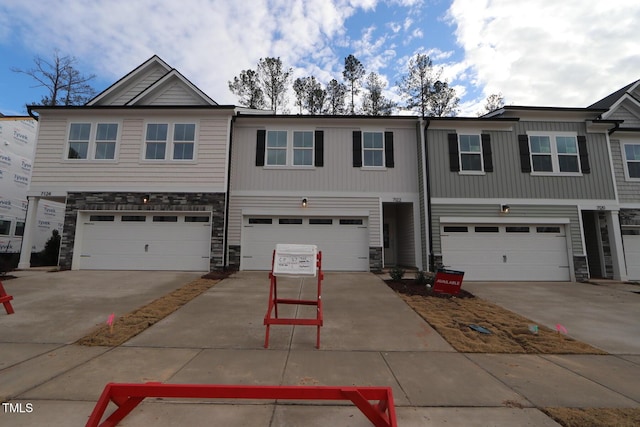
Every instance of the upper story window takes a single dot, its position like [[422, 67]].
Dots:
[[180, 138], [372, 149], [95, 141], [553, 153], [276, 148], [302, 148], [632, 160], [298, 148], [470, 153]]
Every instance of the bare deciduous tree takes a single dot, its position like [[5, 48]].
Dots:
[[66, 85]]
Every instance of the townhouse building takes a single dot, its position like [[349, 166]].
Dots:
[[155, 175]]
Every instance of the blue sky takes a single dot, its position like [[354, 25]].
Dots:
[[543, 52]]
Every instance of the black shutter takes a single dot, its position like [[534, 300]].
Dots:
[[523, 144], [319, 149], [262, 136], [454, 163], [584, 155], [388, 149], [487, 155], [357, 149]]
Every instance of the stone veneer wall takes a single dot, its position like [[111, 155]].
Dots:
[[375, 259], [129, 201], [234, 257], [581, 268]]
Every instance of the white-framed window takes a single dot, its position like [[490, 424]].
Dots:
[[554, 153], [106, 138], [290, 148], [632, 161], [170, 141], [276, 148], [372, 149], [184, 139], [155, 142], [92, 141], [470, 152], [303, 148]]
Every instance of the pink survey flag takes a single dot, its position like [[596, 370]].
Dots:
[[112, 316], [561, 328]]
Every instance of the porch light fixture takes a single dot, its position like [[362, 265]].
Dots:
[[145, 199], [304, 202], [504, 209]]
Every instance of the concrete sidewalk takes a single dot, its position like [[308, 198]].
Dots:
[[370, 338]]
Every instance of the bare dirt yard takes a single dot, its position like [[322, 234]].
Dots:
[[509, 333]]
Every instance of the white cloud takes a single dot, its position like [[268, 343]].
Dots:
[[548, 52], [209, 41]]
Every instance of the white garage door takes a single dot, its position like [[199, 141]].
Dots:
[[632, 253], [506, 252], [134, 241], [344, 242]]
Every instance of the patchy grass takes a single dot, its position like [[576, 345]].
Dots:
[[130, 325], [510, 333], [595, 417]]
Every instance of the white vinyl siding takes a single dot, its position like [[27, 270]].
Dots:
[[207, 172]]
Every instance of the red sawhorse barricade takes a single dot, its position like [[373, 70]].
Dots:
[[6, 300], [128, 396], [294, 261]]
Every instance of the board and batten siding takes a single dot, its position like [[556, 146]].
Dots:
[[515, 211], [337, 174], [53, 172], [628, 191], [330, 206], [508, 181]]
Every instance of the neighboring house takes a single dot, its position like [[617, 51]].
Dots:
[[623, 110], [143, 171], [514, 194], [349, 184], [17, 149]]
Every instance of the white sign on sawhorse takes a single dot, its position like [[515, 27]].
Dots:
[[294, 261]]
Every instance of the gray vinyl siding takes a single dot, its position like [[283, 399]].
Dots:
[[628, 191], [337, 174], [53, 172], [508, 180], [292, 204], [623, 113], [520, 211]]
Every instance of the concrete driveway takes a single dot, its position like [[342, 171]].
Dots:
[[605, 315], [370, 338]]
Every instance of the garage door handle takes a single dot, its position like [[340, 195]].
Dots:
[[146, 248], [504, 258]]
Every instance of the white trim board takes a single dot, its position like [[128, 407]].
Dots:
[[501, 220]]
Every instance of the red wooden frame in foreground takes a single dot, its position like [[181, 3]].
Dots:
[[272, 318], [128, 396], [5, 300]]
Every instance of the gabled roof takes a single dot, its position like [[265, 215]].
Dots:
[[608, 101], [145, 82]]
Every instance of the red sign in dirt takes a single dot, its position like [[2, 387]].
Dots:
[[448, 281]]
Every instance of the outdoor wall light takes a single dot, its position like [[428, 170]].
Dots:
[[504, 209], [304, 202], [145, 199]]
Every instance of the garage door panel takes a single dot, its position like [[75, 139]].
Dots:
[[631, 244], [502, 255], [344, 246], [145, 245]]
